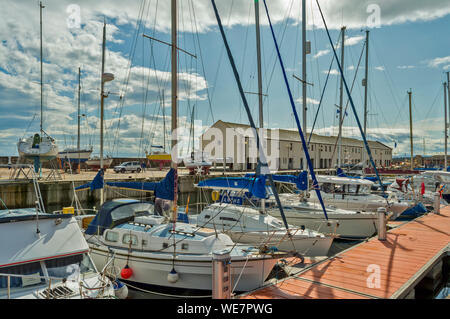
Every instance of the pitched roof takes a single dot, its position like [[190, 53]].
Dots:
[[293, 135]]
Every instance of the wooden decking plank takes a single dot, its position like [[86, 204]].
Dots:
[[409, 249]]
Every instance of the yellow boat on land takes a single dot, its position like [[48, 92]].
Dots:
[[159, 157]]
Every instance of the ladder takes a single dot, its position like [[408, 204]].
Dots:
[[37, 191]]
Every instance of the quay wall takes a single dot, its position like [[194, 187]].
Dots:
[[59, 194]]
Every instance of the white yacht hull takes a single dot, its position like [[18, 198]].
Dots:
[[74, 156], [306, 246], [352, 225], [195, 273], [360, 205]]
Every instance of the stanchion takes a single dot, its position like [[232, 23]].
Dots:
[[382, 231], [221, 275]]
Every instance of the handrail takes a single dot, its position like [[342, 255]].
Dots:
[[49, 278]]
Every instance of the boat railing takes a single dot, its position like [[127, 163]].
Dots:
[[57, 291], [84, 211], [49, 280]]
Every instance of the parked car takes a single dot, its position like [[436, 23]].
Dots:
[[128, 167]]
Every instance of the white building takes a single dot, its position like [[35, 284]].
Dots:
[[283, 148]]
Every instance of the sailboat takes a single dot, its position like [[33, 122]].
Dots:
[[40, 147], [76, 155]]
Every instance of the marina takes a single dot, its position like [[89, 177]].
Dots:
[[305, 167]]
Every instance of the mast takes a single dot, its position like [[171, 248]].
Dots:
[[341, 97], [79, 116], [192, 131], [258, 56], [448, 97], [164, 121], [304, 82], [260, 96], [366, 86], [174, 104], [42, 82], [101, 105], [411, 129], [445, 130]]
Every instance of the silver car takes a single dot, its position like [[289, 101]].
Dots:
[[128, 167]]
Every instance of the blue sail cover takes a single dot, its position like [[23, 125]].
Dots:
[[300, 181], [104, 219], [255, 186], [413, 212], [97, 182], [163, 189], [340, 173]]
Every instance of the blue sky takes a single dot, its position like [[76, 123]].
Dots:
[[410, 49]]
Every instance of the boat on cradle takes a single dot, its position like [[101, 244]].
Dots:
[[250, 226], [198, 163], [47, 257], [73, 155], [94, 162], [165, 257], [41, 147], [159, 158]]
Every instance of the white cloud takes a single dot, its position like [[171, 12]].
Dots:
[[406, 67], [321, 53], [379, 68], [308, 100], [438, 62], [350, 41], [332, 72]]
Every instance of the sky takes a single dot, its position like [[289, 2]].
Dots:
[[408, 50]]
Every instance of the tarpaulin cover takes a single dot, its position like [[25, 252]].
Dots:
[[256, 186], [163, 189]]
